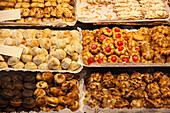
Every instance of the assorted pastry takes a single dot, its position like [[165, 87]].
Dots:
[[34, 11], [17, 93], [118, 45], [123, 9], [128, 91], [57, 91], [42, 49]]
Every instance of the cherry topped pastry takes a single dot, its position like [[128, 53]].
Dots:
[[94, 47], [135, 58], [124, 59], [116, 29], [108, 48], [102, 38], [107, 40], [117, 36], [120, 50], [100, 57], [113, 58], [88, 58], [106, 31], [119, 43]]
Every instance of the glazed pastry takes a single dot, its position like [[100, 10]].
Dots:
[[39, 92], [100, 57], [42, 85], [74, 66], [27, 93], [67, 85], [74, 95], [5, 78], [7, 93], [54, 63], [41, 101], [16, 102], [107, 40], [6, 85], [52, 101], [65, 63], [30, 86], [59, 78], [113, 58], [47, 77], [94, 47], [29, 102], [17, 85], [117, 35], [53, 91], [17, 94], [119, 43], [29, 78], [108, 48], [30, 66], [19, 65], [39, 76]]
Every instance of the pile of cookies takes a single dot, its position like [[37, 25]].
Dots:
[[57, 92], [128, 91], [118, 45], [42, 49], [17, 93], [33, 11]]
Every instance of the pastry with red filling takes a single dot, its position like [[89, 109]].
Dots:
[[119, 43], [107, 40], [87, 39], [106, 31], [120, 50], [135, 58], [113, 58], [100, 57], [116, 30], [101, 38], [108, 48], [94, 47], [124, 59], [117, 35], [88, 58]]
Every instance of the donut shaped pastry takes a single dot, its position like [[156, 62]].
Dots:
[[120, 50], [135, 58], [106, 31], [94, 47], [113, 58], [108, 48], [100, 57], [88, 58], [124, 59]]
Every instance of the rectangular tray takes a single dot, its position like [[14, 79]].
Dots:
[[95, 20]]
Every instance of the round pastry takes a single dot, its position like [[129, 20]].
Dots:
[[145, 60], [7, 85], [135, 58], [41, 101], [68, 49], [13, 61], [27, 93], [26, 58], [5, 78], [30, 86], [17, 94], [74, 95], [124, 59], [116, 29], [32, 42], [113, 58], [17, 85], [3, 102], [42, 85], [29, 78], [107, 40], [75, 56], [29, 102], [3, 65], [53, 101], [19, 65], [67, 85], [87, 39], [119, 43], [63, 100], [43, 66], [69, 76], [74, 88], [47, 77], [39, 76], [100, 57], [9, 41], [77, 47], [7, 93], [148, 54], [5, 33], [25, 49], [59, 78], [59, 107], [106, 31], [30, 66], [20, 41], [45, 43], [54, 63], [74, 66], [16, 102], [17, 78], [88, 58], [35, 51], [17, 34], [59, 54], [94, 47], [117, 35], [39, 92], [108, 48], [38, 59], [120, 50], [74, 106]]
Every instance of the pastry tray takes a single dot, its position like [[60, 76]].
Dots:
[[132, 64], [90, 19], [57, 23], [115, 71], [61, 111], [37, 70]]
